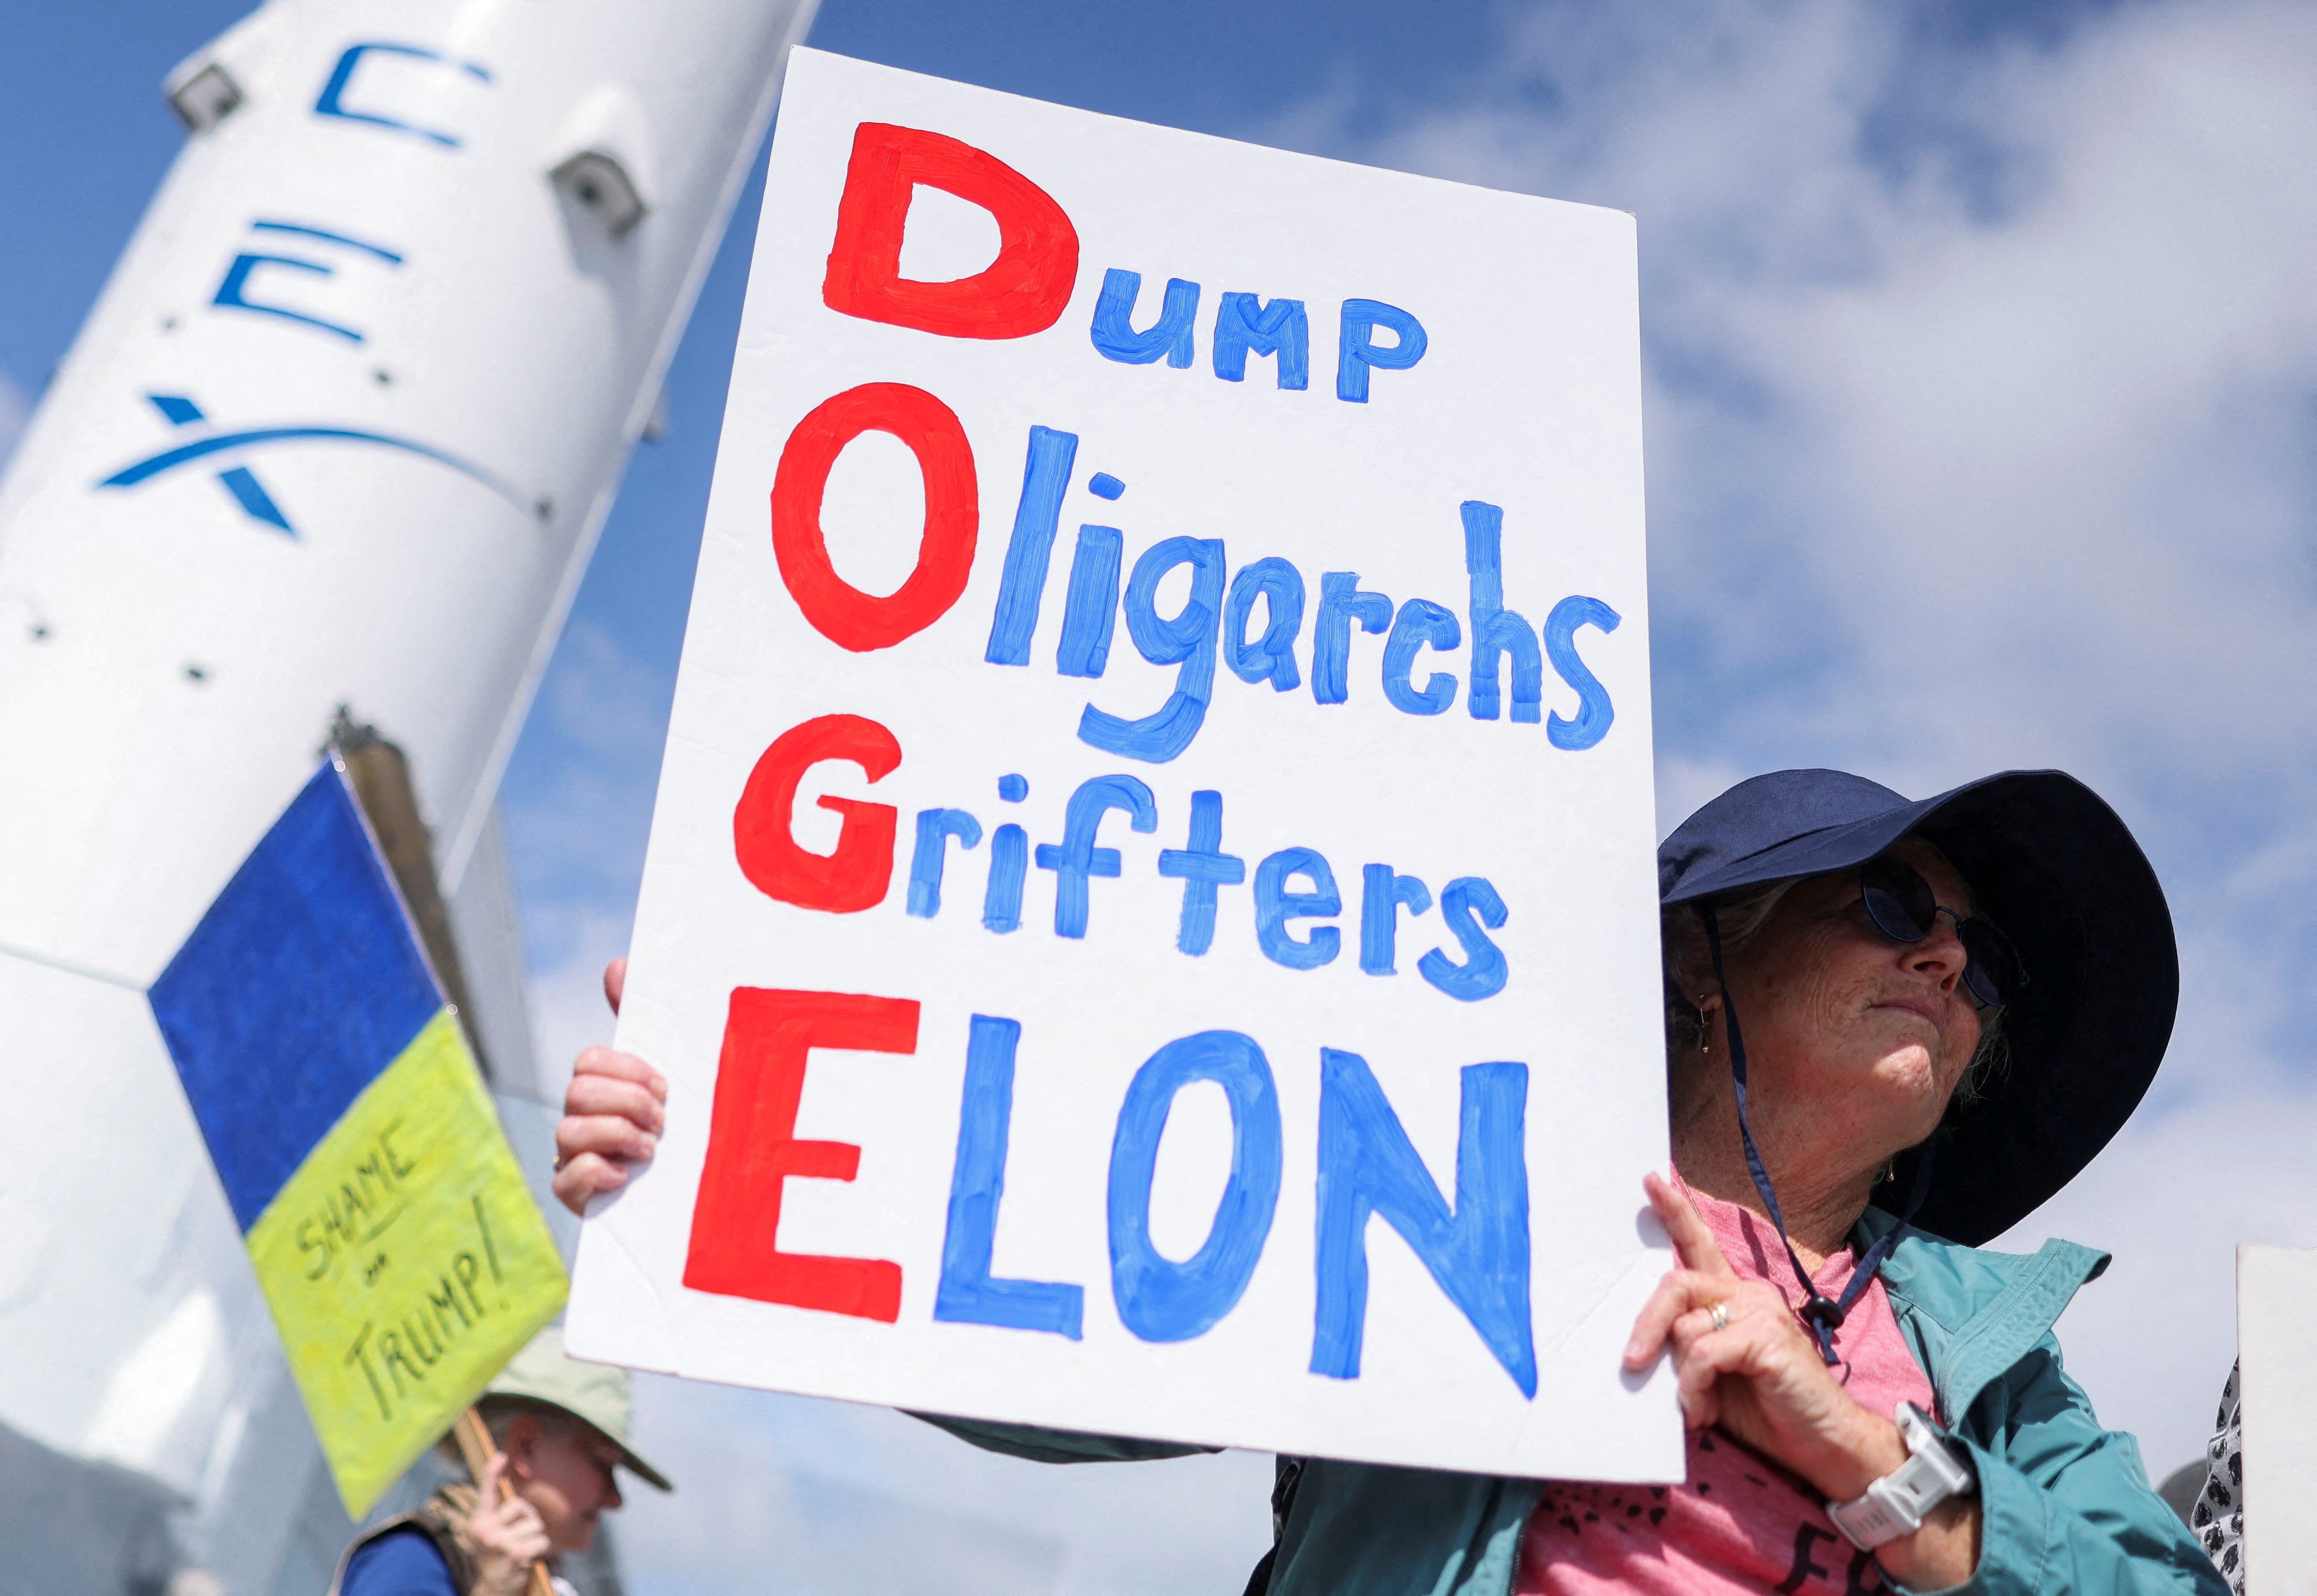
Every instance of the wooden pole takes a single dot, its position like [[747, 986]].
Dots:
[[476, 1446], [380, 776]]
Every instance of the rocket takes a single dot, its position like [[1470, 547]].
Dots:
[[337, 438]]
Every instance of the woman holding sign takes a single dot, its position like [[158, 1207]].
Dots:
[[1949, 1005]]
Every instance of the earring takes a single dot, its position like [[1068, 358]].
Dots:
[[1705, 1030]]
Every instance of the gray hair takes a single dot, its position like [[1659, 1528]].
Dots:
[[1739, 917], [499, 1411]]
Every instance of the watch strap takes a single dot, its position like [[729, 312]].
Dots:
[[1897, 1504]]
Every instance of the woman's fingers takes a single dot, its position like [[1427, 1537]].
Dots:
[[1693, 1243], [1665, 1304], [582, 1180], [1681, 1312], [1700, 1369], [1753, 1337], [1708, 1347], [612, 1119], [1704, 1278], [608, 1083], [637, 1115], [494, 1471], [1677, 1294], [608, 1091], [614, 1112], [609, 1064], [615, 982]]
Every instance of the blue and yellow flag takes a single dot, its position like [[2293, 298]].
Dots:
[[397, 1244]]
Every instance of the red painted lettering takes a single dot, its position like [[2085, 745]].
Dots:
[[1023, 290], [753, 1150], [838, 609], [858, 874]]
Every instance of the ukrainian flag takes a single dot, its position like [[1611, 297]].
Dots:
[[397, 1244]]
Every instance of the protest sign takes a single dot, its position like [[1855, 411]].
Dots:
[[2277, 1394], [1149, 918], [397, 1246]]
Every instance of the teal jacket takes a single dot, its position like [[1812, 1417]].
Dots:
[[2067, 1505]]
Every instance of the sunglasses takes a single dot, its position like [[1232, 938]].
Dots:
[[1904, 908]]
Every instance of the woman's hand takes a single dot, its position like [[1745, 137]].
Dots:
[[509, 1536], [1759, 1377], [614, 1112]]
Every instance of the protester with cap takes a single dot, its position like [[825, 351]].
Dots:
[[1894, 1030], [561, 1427]]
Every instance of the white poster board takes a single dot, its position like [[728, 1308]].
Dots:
[[2277, 1394], [1120, 963]]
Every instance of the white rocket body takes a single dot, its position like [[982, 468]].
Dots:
[[340, 430]]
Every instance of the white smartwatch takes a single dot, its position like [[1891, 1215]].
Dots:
[[1897, 1504]]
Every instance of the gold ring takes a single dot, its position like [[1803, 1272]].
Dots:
[[1720, 1314]]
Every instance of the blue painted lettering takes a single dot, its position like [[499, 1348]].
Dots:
[[1356, 355], [1188, 640], [1274, 907], [1594, 710], [1382, 894], [1244, 324], [1091, 608], [1077, 859], [1421, 622], [1202, 867], [1009, 862], [1159, 1299], [1037, 514], [1272, 657], [936, 827], [1340, 604], [968, 1293], [1478, 1253], [1465, 903], [1495, 629], [1170, 336]]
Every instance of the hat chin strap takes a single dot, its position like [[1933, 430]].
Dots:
[[1823, 1314]]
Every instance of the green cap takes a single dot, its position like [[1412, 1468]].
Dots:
[[595, 1392]]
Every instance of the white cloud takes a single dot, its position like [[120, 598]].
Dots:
[[2151, 1340], [1982, 384]]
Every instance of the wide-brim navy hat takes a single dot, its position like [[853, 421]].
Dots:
[[2056, 869]]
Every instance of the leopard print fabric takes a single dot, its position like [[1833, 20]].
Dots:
[[2219, 1517]]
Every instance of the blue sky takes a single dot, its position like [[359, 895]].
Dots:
[[1983, 392]]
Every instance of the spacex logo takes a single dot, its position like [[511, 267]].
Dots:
[[206, 447]]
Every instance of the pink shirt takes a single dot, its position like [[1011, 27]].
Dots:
[[1740, 1523]]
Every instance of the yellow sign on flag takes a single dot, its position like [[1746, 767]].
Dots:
[[404, 1262], [396, 1242]]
